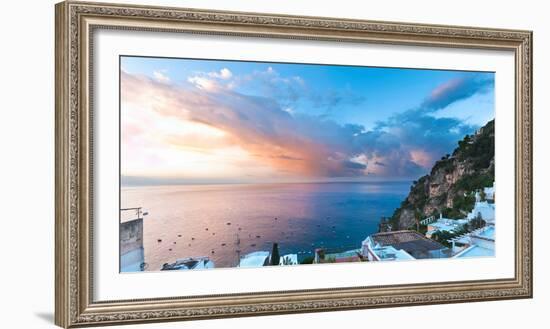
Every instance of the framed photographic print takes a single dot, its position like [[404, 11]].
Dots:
[[217, 164]]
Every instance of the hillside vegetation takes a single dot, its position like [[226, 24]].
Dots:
[[450, 187]]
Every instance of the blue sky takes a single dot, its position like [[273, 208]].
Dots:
[[361, 121]]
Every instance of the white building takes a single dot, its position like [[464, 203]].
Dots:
[[445, 224], [255, 259], [490, 192], [485, 209]]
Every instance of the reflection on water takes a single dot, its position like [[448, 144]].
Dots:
[[223, 221]]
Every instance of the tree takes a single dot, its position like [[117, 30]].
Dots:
[[287, 261], [417, 218], [477, 222], [443, 237], [275, 254]]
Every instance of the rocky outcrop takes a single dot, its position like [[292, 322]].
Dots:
[[450, 186]]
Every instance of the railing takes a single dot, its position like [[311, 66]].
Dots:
[[339, 250], [428, 220], [137, 214]]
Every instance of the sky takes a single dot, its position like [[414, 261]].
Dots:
[[214, 121]]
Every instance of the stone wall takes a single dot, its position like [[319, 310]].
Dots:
[[131, 235]]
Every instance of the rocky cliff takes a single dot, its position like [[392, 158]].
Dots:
[[450, 186]]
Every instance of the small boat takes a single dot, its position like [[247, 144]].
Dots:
[[189, 263]]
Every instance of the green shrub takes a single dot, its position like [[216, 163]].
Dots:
[[307, 260], [464, 203]]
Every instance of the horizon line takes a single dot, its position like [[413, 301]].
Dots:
[[154, 181]]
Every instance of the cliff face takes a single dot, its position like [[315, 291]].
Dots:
[[450, 186]]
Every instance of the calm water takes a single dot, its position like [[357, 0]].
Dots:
[[208, 220]]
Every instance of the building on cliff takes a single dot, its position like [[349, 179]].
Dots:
[[445, 224]]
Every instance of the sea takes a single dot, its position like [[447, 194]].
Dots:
[[225, 222]]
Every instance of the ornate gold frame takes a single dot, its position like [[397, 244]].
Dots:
[[75, 23]]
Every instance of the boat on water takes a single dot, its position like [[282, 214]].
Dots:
[[189, 263]]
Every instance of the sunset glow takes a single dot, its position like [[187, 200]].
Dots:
[[204, 121]]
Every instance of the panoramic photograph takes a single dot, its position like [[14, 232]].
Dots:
[[232, 164]]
